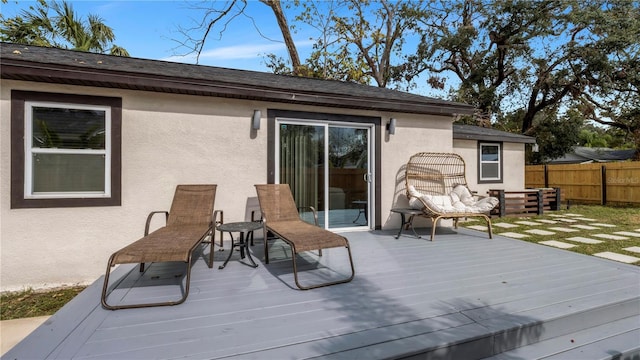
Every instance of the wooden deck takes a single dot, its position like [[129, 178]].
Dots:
[[463, 296]]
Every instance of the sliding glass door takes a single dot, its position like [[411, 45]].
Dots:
[[327, 166]]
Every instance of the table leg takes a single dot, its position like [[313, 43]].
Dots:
[[401, 226], [230, 253], [412, 228], [242, 245], [246, 244]]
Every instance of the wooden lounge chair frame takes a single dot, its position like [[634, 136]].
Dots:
[[437, 174], [281, 219], [189, 222]]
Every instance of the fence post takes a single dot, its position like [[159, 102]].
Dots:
[[546, 176], [503, 208], [558, 199], [603, 183], [540, 197]]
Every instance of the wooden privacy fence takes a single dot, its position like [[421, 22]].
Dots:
[[597, 183]]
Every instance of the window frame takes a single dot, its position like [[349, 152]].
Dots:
[[20, 132], [500, 162]]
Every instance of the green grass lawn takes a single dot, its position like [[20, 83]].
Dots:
[[624, 219], [30, 303]]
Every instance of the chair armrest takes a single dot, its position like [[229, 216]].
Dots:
[[217, 222], [313, 210], [148, 223], [253, 216]]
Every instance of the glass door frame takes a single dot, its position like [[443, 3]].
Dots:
[[371, 162]]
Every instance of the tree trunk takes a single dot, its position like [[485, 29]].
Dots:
[[276, 7]]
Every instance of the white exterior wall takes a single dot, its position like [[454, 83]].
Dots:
[[168, 140], [512, 167], [414, 134]]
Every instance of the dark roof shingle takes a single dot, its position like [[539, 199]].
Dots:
[[32, 63], [471, 132]]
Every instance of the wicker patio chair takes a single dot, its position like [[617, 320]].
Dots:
[[433, 179], [190, 220], [281, 218]]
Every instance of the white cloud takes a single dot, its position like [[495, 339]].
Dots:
[[236, 52]]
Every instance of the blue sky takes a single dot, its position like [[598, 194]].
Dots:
[[149, 29]]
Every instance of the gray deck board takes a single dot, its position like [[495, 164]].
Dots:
[[623, 334], [461, 294]]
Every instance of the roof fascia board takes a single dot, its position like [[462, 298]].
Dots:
[[523, 140], [53, 73]]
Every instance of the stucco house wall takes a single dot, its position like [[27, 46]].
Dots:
[[512, 166], [186, 124], [168, 139]]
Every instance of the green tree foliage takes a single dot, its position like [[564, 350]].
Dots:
[[526, 65], [64, 29], [555, 135], [525, 60]]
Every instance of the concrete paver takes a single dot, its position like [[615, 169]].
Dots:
[[478, 227], [563, 229], [558, 244], [617, 257], [585, 227], [539, 232], [545, 221], [603, 225], [610, 237], [635, 249], [528, 223], [505, 225], [627, 233], [584, 240], [514, 235]]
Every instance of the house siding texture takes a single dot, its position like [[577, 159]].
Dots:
[[170, 139], [512, 166]]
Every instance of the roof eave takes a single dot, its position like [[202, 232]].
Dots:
[[522, 140], [63, 74]]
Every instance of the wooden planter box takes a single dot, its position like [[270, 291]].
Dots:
[[526, 202]]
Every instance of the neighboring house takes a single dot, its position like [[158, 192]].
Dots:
[[92, 143], [585, 155]]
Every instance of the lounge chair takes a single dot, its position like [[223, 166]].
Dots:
[[190, 220], [280, 217], [436, 184]]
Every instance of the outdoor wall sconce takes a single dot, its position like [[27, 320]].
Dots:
[[535, 148], [391, 126], [255, 121]]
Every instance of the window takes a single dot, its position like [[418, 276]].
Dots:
[[490, 162], [67, 150]]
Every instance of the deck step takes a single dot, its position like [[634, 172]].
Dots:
[[600, 328], [615, 340], [617, 324]]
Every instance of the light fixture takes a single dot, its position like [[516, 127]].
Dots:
[[255, 123], [535, 148], [391, 126]]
